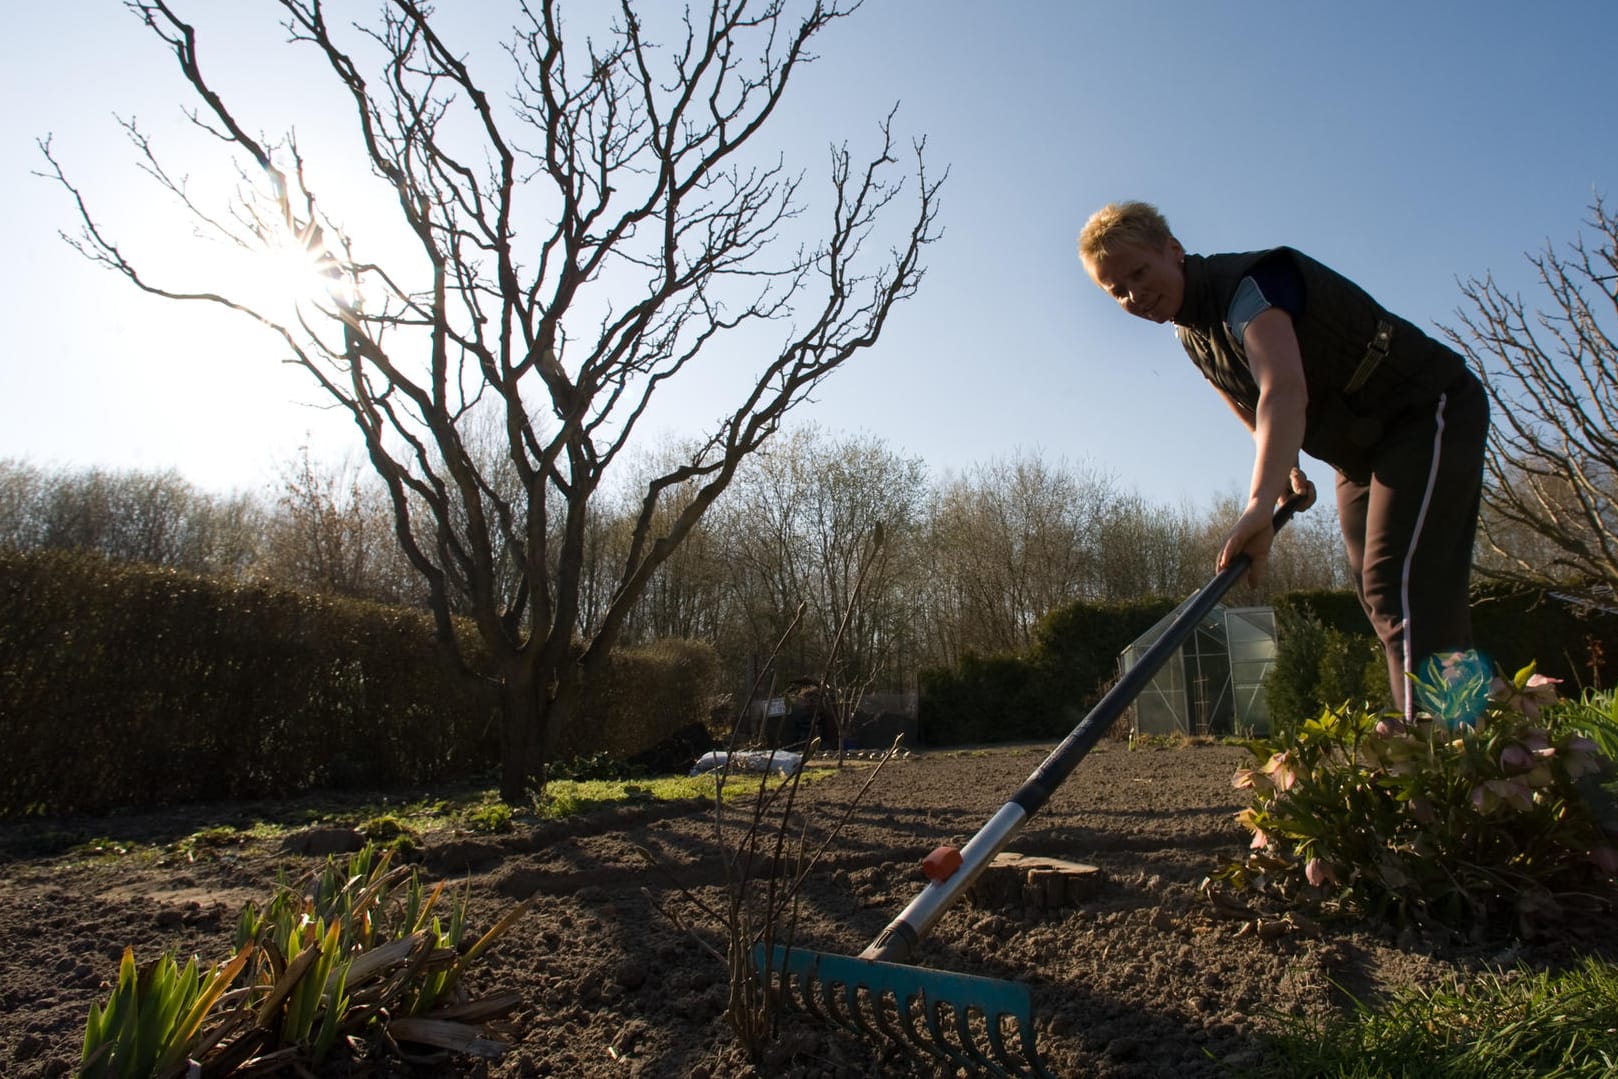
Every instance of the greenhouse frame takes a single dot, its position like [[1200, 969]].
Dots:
[[1213, 684]]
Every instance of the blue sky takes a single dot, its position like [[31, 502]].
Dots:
[[1407, 144]]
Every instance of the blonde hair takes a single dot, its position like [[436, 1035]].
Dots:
[[1120, 223]]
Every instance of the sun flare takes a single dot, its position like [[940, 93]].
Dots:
[[288, 274]]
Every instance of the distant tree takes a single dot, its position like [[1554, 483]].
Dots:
[[1010, 539], [1308, 552], [688, 596], [21, 493], [1551, 490], [797, 527], [1146, 550], [331, 532], [130, 515], [585, 237]]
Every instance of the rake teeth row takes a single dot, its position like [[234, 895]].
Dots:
[[927, 1014]]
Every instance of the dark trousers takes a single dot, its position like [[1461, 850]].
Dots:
[[1408, 524]]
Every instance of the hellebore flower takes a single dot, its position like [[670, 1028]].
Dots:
[[1537, 692], [1606, 860], [1541, 690], [1538, 777], [1280, 771], [1319, 872], [1422, 810], [1492, 792], [1250, 779], [1248, 818], [1581, 757], [1516, 758]]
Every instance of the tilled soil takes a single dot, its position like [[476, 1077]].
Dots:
[[615, 965]]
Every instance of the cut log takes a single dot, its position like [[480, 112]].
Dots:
[[1014, 879]]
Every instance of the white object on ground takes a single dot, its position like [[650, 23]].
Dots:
[[749, 760]]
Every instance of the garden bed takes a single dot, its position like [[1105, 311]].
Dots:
[[1146, 977]]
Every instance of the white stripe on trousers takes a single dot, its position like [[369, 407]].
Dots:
[[1410, 556]]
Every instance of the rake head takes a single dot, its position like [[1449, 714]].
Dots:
[[929, 1014]]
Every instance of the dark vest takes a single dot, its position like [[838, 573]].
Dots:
[[1364, 366]]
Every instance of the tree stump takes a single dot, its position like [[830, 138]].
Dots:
[[1014, 879]]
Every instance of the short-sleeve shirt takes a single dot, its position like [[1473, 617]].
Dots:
[[1275, 282]]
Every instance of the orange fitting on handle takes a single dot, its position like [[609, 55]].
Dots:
[[941, 864]]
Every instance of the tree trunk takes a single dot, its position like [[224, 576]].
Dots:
[[522, 758]]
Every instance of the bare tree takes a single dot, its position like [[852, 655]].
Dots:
[[797, 527], [1551, 472], [128, 516], [1308, 552], [1011, 539], [582, 247], [332, 532]]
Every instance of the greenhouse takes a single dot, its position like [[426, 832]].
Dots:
[[1213, 684]]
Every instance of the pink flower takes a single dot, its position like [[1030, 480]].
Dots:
[[1260, 840], [1250, 779], [1454, 667], [1279, 769], [1606, 860], [1319, 872], [1538, 777], [1390, 727], [1581, 757], [1492, 793], [1541, 690], [1422, 810], [1515, 758], [1537, 692]]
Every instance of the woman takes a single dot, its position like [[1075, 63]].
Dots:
[[1308, 361]]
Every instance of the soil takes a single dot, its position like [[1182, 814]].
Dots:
[[1147, 977]]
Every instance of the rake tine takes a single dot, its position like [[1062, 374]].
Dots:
[[939, 1044], [856, 1014], [963, 1031], [855, 994], [997, 1043], [900, 1033]]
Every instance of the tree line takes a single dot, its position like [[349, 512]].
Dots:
[[969, 562]]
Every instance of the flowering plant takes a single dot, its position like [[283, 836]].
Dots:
[[1486, 810]]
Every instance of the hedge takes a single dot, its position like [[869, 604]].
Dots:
[[1001, 698], [131, 687]]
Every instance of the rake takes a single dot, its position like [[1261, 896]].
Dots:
[[985, 1025]]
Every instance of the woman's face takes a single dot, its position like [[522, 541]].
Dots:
[[1148, 281]]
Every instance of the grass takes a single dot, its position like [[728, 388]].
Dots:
[[383, 818], [1518, 1023], [570, 797]]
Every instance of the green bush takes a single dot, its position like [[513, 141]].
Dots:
[[1319, 666], [1483, 815]]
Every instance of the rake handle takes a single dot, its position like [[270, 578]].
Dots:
[[898, 941]]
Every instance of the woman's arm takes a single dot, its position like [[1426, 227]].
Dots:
[[1277, 424]]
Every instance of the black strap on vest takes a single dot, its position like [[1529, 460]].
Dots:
[[1375, 353]]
